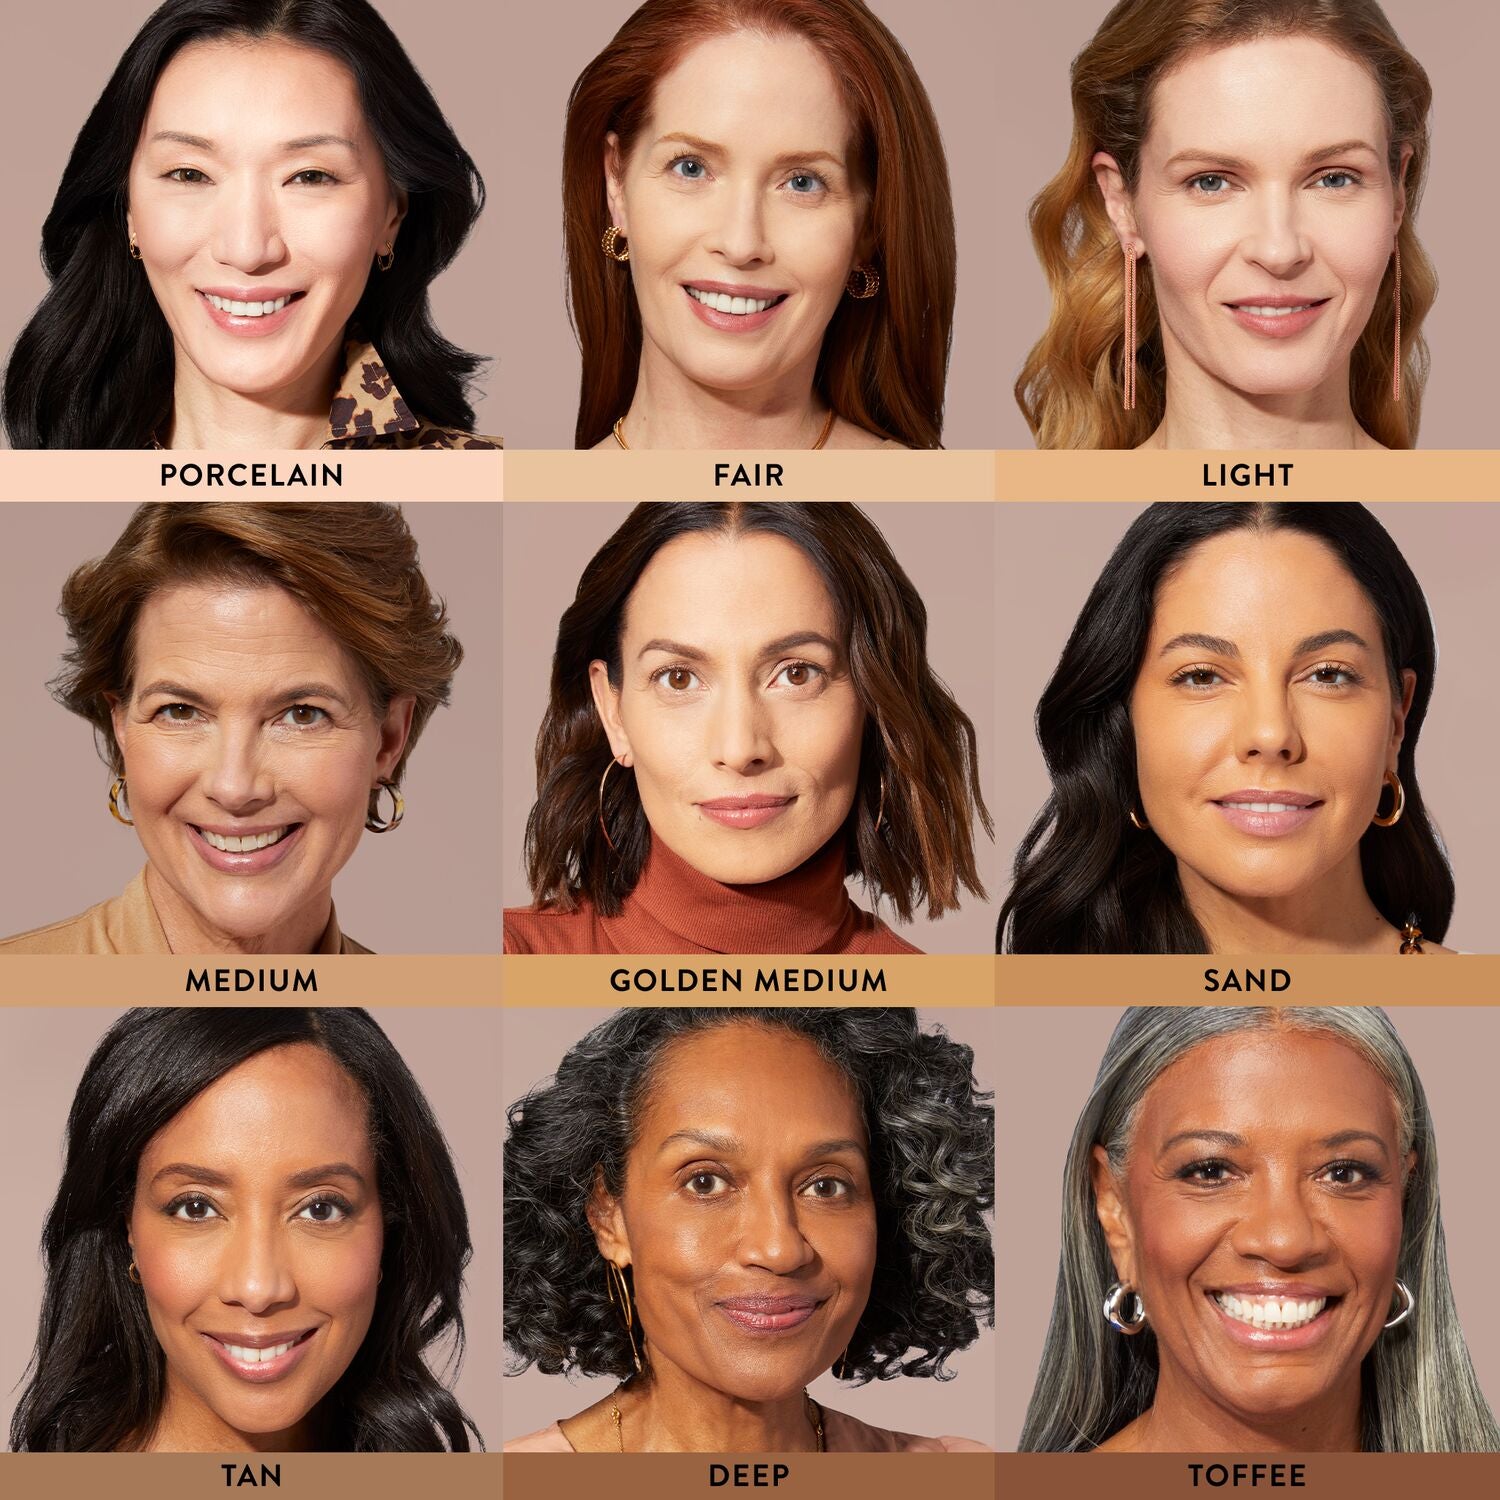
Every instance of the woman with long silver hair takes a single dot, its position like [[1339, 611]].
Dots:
[[1252, 1249]]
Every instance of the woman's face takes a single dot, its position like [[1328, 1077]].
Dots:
[[248, 724], [747, 1213], [256, 1230], [256, 180], [735, 705], [1267, 211], [1263, 713], [1264, 1170], [742, 208]]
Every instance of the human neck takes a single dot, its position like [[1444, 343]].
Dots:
[[673, 1413], [669, 410], [205, 415], [186, 1425], [1183, 1419], [1337, 916], [1202, 412], [188, 933]]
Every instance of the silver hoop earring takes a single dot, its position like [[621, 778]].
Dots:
[[1113, 1299], [1408, 1304]]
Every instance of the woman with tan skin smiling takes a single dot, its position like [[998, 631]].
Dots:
[[742, 715], [1253, 1255], [759, 232], [718, 1206], [1231, 244], [236, 1259], [257, 676], [1231, 735]]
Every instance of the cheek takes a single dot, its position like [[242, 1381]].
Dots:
[[1185, 250], [1172, 748]]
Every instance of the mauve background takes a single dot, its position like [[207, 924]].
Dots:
[[1050, 555], [430, 886], [453, 1054], [59, 57], [533, 1042], [958, 48], [1454, 40], [1052, 1055], [945, 549]]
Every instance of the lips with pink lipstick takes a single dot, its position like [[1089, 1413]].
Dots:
[[1274, 1316], [767, 1314], [250, 312], [1267, 814], [1277, 315], [745, 812], [260, 1357], [733, 307], [248, 850]]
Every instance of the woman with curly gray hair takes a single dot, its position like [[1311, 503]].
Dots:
[[718, 1205]]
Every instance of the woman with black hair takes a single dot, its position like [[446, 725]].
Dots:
[[1231, 734], [257, 1237], [242, 244], [717, 1206]]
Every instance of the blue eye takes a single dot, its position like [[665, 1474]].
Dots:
[[1211, 183], [689, 168], [1337, 180], [804, 183]]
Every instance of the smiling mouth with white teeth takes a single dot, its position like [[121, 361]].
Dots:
[[249, 309], [1272, 1314], [737, 306], [247, 843]]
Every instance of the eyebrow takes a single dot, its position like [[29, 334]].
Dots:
[[729, 1145], [1222, 647], [296, 691], [1195, 153], [712, 148], [194, 1173], [1228, 1138], [771, 648], [301, 143], [1348, 1137]]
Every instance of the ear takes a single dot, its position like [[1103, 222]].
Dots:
[[1400, 195], [607, 703], [400, 202], [1399, 713], [614, 182], [395, 729], [1117, 202], [1109, 1205], [607, 1220]]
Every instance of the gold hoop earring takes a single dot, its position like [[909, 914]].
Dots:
[[880, 810], [841, 1365], [614, 761], [116, 791], [867, 285], [1393, 817], [135, 250], [398, 808], [612, 237], [1131, 255], [1136, 821], [387, 258], [133, 1273], [1396, 356], [619, 1295]]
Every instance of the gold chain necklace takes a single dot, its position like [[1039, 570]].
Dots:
[[619, 431], [814, 1415]]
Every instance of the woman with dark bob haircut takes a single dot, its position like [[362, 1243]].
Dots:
[[1232, 743], [242, 244], [759, 232], [1231, 734], [256, 676], [694, 1180], [742, 715], [257, 1237]]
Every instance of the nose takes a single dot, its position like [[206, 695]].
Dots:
[[237, 777], [739, 232], [1277, 1227], [1277, 241], [770, 1236], [247, 227], [1268, 728], [740, 731], [255, 1268]]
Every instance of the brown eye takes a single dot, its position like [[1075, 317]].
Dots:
[[679, 679], [797, 674]]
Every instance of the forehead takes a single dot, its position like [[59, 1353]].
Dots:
[[241, 636], [245, 93], [1268, 101], [1270, 1086], [709, 589], [1261, 587], [755, 94], [768, 1087], [278, 1112]]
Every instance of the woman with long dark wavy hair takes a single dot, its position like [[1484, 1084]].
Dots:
[[1231, 734], [257, 1240], [695, 1180], [242, 244]]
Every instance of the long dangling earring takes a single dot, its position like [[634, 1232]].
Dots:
[[615, 760], [611, 241], [1396, 359], [1393, 817], [398, 808], [116, 791], [619, 1295], [1129, 356]]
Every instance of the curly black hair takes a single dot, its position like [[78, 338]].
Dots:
[[932, 1169]]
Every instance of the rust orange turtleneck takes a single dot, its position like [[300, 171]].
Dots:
[[675, 909]]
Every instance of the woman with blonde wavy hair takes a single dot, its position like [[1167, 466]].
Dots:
[[1231, 244]]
